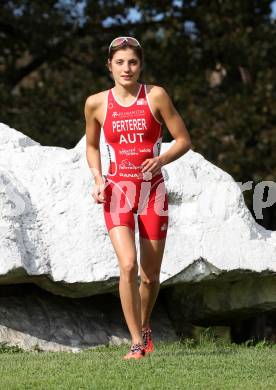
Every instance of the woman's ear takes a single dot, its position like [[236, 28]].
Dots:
[[109, 70], [108, 65]]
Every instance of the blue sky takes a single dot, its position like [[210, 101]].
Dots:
[[134, 15], [273, 10]]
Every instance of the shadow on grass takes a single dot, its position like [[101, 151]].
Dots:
[[196, 353]]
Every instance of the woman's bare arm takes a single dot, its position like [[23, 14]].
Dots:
[[175, 125], [93, 132]]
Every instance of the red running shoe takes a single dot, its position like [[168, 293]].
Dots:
[[148, 344], [137, 351]]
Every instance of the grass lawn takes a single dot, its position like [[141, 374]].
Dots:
[[186, 364]]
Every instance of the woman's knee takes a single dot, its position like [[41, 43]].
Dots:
[[150, 278], [129, 268]]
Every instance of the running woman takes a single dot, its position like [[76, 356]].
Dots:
[[131, 115]]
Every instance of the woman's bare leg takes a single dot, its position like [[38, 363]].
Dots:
[[151, 255], [123, 241]]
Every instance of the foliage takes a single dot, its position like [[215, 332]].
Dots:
[[216, 60]]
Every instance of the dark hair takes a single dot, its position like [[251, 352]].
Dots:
[[137, 50]]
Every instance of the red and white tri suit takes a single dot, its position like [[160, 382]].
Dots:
[[132, 134]]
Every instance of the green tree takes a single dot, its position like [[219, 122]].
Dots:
[[215, 59]]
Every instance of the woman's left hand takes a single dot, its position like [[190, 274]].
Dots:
[[152, 165]]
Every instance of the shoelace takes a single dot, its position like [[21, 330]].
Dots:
[[136, 347], [146, 334]]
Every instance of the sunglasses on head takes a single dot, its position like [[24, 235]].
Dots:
[[120, 40]]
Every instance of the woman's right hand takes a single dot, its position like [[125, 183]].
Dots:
[[98, 192]]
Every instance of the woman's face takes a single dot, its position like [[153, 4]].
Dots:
[[125, 66]]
